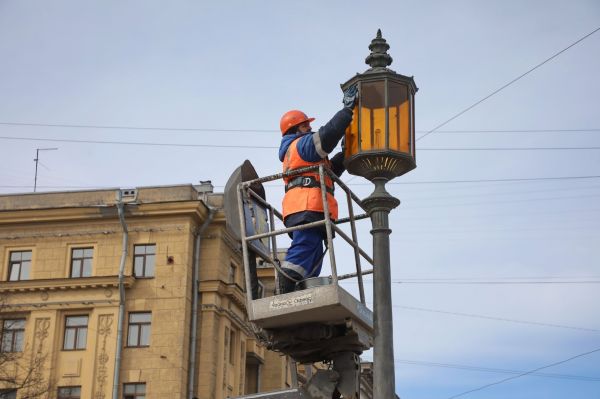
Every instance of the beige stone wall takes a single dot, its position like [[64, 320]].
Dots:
[[163, 365], [223, 335]]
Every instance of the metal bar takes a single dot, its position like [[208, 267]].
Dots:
[[347, 190], [411, 134], [37, 157], [278, 176], [372, 127], [349, 241], [273, 238], [346, 220], [245, 252], [359, 120], [352, 275], [399, 130], [386, 118], [328, 225], [361, 289], [274, 246], [332, 175], [296, 171], [286, 230]]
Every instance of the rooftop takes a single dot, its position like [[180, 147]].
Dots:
[[108, 196]]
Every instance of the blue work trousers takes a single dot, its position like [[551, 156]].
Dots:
[[305, 255]]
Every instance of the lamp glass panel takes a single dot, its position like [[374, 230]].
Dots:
[[372, 116], [351, 146], [399, 117]]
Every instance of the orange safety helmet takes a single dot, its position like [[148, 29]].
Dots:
[[293, 118]]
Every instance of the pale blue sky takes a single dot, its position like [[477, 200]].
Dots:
[[242, 64]]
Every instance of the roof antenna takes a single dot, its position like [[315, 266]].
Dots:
[[37, 159]]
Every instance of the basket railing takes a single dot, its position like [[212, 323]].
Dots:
[[246, 193]]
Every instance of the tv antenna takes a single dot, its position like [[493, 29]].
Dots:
[[37, 159]]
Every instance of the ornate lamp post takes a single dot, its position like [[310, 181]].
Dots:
[[380, 145]]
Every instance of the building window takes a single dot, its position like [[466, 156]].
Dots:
[[13, 333], [81, 262], [19, 266], [139, 329], [134, 391], [232, 273], [75, 332], [232, 346], [252, 374], [69, 393], [8, 394], [143, 260]]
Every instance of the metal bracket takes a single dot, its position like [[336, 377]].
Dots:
[[322, 384], [347, 365]]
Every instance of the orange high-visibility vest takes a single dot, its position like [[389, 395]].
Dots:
[[300, 199]]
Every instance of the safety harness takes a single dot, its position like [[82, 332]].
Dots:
[[306, 182]]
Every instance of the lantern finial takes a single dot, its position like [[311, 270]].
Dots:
[[379, 58]]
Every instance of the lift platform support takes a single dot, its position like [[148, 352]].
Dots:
[[320, 321]]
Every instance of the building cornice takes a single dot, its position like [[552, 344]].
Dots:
[[236, 319], [64, 284], [230, 291], [100, 212]]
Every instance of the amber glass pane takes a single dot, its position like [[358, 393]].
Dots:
[[352, 135], [399, 114], [372, 116]]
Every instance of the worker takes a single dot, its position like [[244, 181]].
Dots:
[[301, 147]]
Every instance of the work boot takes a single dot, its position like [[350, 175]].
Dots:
[[285, 284]]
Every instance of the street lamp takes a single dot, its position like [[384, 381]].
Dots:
[[379, 146]]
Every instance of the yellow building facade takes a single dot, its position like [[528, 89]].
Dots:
[[61, 255]]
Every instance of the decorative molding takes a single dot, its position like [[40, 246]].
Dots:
[[104, 328], [90, 233], [63, 284], [102, 211]]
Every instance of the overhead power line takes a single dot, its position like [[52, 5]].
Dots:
[[112, 127], [487, 180], [192, 145], [369, 184], [524, 374], [141, 143], [508, 84], [495, 370], [229, 130], [497, 282], [504, 319], [508, 148], [514, 131]]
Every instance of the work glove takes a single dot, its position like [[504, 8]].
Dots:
[[350, 96], [337, 164]]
